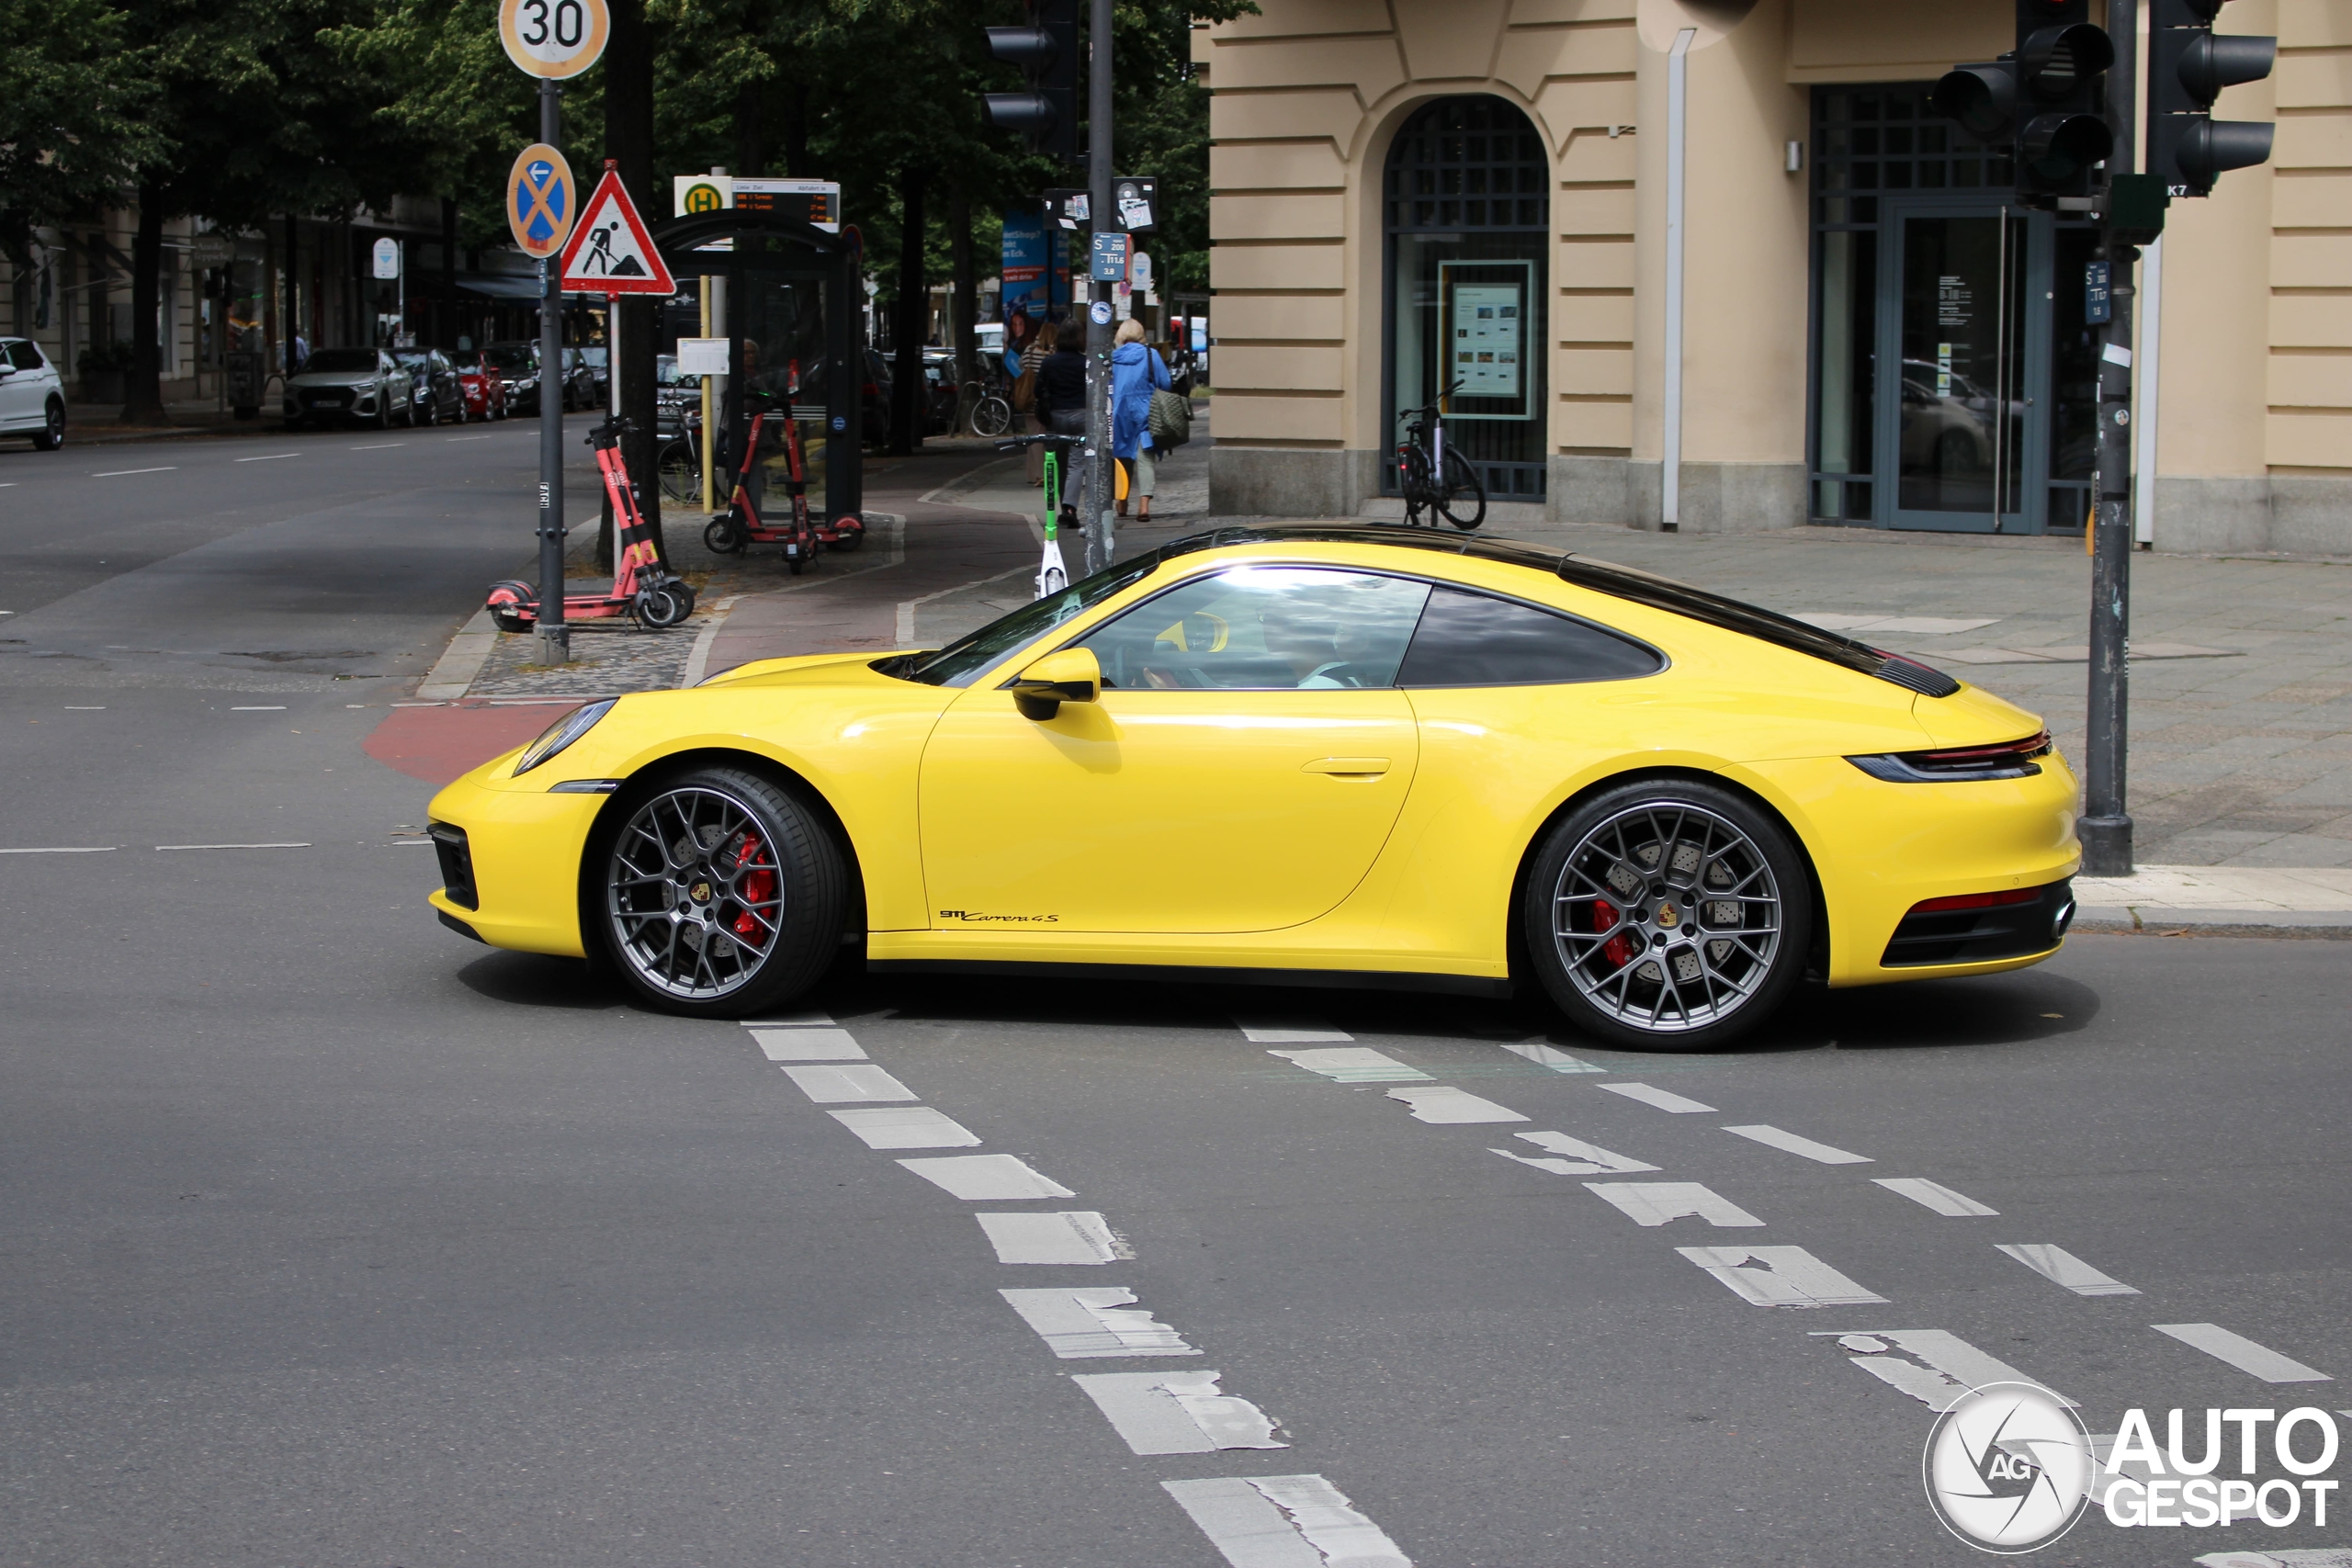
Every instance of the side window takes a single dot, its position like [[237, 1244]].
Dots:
[[24, 355], [1471, 639], [1265, 629]]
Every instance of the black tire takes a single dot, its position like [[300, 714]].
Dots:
[[849, 539], [1710, 900], [663, 608], [384, 411], [716, 833], [51, 435], [1413, 483], [1462, 498], [506, 622], [720, 538]]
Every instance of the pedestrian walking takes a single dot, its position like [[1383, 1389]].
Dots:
[[1061, 381], [1135, 373], [1042, 343]]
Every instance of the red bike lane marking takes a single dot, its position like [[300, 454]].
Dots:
[[440, 745]]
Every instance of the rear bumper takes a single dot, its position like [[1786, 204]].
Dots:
[[1941, 937]]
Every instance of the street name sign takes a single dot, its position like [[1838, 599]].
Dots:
[[610, 253], [541, 200], [554, 38]]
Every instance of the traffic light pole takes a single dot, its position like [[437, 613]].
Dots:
[[1101, 542], [555, 645], [2104, 828]]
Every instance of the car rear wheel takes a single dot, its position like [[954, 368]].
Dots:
[[1669, 915], [52, 433], [720, 895]]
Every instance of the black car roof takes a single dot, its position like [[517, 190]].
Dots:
[[1625, 582]]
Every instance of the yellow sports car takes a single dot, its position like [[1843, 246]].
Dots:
[[1355, 755]]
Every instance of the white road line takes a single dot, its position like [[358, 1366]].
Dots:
[[1773, 1138], [1289, 1031], [905, 1127], [64, 849], [2062, 1267], [834, 1086], [1086, 1325], [1072, 1236], [1659, 1097], [453, 440], [1356, 1063], [2260, 1361], [809, 1045], [1285, 1522], [233, 846], [1582, 1158], [1445, 1105], [71, 708], [1934, 1195], [269, 458], [380, 447], [797, 1020], [1661, 1202], [986, 1178], [1177, 1413], [1778, 1275], [279, 707], [1544, 1055], [1932, 1367], [118, 473]]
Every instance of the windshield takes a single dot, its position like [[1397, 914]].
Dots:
[[339, 361], [971, 656], [413, 356], [666, 372], [510, 358], [594, 356]]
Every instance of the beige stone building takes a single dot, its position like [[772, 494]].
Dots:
[[1844, 324]]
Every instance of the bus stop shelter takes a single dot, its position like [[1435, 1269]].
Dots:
[[792, 298]]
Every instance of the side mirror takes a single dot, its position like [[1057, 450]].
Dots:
[[1073, 675]]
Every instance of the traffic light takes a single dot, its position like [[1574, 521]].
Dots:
[[2046, 98], [1047, 50], [2188, 64]]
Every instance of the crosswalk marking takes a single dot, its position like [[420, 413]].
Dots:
[[2062, 1267], [1073, 1236], [1357, 1063], [1663, 1100], [986, 1178], [1082, 1324], [1544, 1055], [1930, 1365], [904, 1127], [1177, 1413], [1778, 1275], [1581, 1158], [1774, 1138], [2260, 1361], [808, 1044], [835, 1086], [1934, 1195], [1289, 1031], [1662, 1202], [1285, 1522], [794, 1021], [1444, 1104]]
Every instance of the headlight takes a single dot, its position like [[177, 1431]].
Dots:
[[560, 734]]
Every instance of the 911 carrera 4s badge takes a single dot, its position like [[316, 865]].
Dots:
[[974, 915]]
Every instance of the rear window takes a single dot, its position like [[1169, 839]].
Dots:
[[1476, 640]]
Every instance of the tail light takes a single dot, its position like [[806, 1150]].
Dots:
[[1962, 765]]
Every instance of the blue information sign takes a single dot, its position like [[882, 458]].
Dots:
[[2098, 307], [1110, 258]]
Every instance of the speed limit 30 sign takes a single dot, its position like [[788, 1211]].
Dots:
[[554, 38]]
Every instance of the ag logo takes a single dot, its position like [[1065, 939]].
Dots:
[[2008, 1468]]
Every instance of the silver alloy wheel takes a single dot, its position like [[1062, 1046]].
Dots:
[[694, 893], [1667, 917]]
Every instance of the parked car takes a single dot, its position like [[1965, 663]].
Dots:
[[677, 395], [438, 396], [364, 384], [579, 380], [32, 394], [483, 388], [939, 391], [518, 362], [598, 359]]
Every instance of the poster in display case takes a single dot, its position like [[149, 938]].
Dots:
[[1486, 332]]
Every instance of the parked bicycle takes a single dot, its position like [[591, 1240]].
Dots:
[[982, 410], [679, 461], [1434, 478]]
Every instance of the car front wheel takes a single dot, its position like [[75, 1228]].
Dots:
[[720, 895], [1669, 915], [52, 433]]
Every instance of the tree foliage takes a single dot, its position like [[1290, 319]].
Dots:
[[72, 132]]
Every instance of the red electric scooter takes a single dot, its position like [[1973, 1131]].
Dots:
[[742, 525], [643, 588]]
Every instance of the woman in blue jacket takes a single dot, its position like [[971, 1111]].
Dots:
[[1135, 374]]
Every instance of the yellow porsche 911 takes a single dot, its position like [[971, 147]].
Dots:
[[1361, 755]]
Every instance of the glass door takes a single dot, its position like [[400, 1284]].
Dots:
[[1963, 292]]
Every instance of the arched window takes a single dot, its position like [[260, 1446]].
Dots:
[[1467, 218]]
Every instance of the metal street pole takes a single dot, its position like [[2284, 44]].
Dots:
[[1101, 543], [2106, 827], [555, 646]]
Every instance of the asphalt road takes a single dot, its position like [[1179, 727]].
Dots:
[[327, 1237]]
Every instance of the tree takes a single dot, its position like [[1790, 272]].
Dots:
[[72, 130]]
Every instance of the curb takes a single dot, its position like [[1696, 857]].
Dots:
[[453, 673], [2141, 919]]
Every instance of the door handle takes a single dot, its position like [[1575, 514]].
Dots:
[[1348, 767]]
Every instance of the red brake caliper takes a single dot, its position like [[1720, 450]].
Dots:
[[759, 887], [1617, 950]]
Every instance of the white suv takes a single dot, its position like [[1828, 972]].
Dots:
[[32, 395]]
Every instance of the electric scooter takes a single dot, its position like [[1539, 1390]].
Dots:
[[1053, 576], [643, 588], [744, 526]]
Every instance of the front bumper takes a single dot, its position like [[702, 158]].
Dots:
[[522, 851]]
